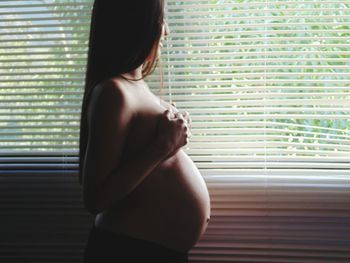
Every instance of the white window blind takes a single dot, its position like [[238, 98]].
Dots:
[[267, 84], [43, 47]]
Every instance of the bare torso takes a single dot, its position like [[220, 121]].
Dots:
[[171, 206]]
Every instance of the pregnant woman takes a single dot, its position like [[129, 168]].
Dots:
[[149, 200]]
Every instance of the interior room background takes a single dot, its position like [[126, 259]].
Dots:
[[267, 84]]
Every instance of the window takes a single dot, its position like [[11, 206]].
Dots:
[[43, 57], [267, 84]]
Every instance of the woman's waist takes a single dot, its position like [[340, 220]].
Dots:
[[172, 217], [176, 186], [159, 203], [179, 234], [171, 205]]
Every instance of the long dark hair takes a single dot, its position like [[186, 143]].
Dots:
[[123, 34]]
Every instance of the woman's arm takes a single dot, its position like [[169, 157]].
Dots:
[[128, 176], [105, 179]]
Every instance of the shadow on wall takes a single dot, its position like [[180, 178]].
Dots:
[[42, 218]]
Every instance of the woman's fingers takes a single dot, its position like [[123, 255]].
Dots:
[[187, 117], [180, 116], [169, 114]]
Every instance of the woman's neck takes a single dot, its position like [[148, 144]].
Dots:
[[134, 74]]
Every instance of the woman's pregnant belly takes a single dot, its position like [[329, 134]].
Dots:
[[171, 206]]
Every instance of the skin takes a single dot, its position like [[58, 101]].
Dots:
[[138, 180]]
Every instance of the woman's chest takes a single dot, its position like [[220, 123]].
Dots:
[[143, 129]]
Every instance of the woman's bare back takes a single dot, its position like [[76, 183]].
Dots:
[[171, 206]]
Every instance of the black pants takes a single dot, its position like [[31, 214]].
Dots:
[[104, 246]]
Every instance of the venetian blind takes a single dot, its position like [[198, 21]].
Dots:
[[43, 47], [267, 84]]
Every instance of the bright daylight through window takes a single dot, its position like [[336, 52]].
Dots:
[[266, 82]]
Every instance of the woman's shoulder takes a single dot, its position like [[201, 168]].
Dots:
[[108, 86], [107, 95], [109, 90]]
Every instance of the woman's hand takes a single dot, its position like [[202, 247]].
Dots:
[[185, 115], [172, 133]]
